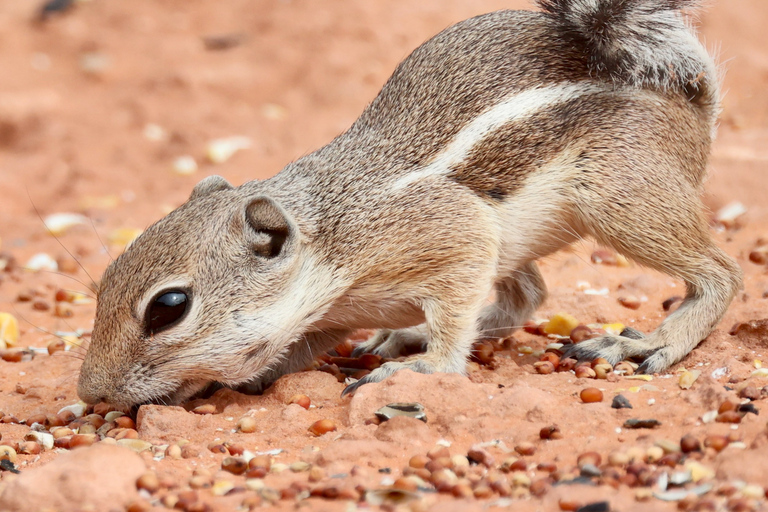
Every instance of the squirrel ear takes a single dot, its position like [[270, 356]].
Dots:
[[271, 225], [208, 185]]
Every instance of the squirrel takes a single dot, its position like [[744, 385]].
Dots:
[[501, 140]]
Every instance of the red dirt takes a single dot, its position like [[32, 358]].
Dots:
[[76, 141]]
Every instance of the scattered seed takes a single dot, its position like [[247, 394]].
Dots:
[[584, 372], [149, 482], [728, 417], [687, 378], [544, 367], [561, 324], [205, 409], [321, 427], [591, 395], [630, 302], [235, 465], [551, 432], [247, 424], [302, 400]]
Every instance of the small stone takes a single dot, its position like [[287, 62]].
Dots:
[[408, 409], [750, 393], [641, 423], [621, 402], [590, 471], [598, 506]]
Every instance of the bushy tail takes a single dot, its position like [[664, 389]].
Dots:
[[646, 43]]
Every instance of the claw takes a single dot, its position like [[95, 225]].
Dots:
[[353, 387], [633, 334]]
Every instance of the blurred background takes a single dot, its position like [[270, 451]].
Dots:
[[115, 109]]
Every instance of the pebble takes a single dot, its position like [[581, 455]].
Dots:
[[408, 409], [644, 423], [750, 393], [621, 402], [590, 471]]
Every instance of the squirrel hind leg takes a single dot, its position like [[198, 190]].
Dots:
[[665, 231], [518, 296]]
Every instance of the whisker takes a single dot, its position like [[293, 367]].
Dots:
[[103, 245], [37, 212]]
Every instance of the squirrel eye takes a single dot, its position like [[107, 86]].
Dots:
[[166, 310]]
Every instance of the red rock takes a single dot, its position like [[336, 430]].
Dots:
[[100, 477]]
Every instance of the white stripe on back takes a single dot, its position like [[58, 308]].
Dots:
[[514, 108]]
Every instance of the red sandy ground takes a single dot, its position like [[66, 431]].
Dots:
[[72, 141]]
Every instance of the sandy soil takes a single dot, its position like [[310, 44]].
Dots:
[[97, 104]]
